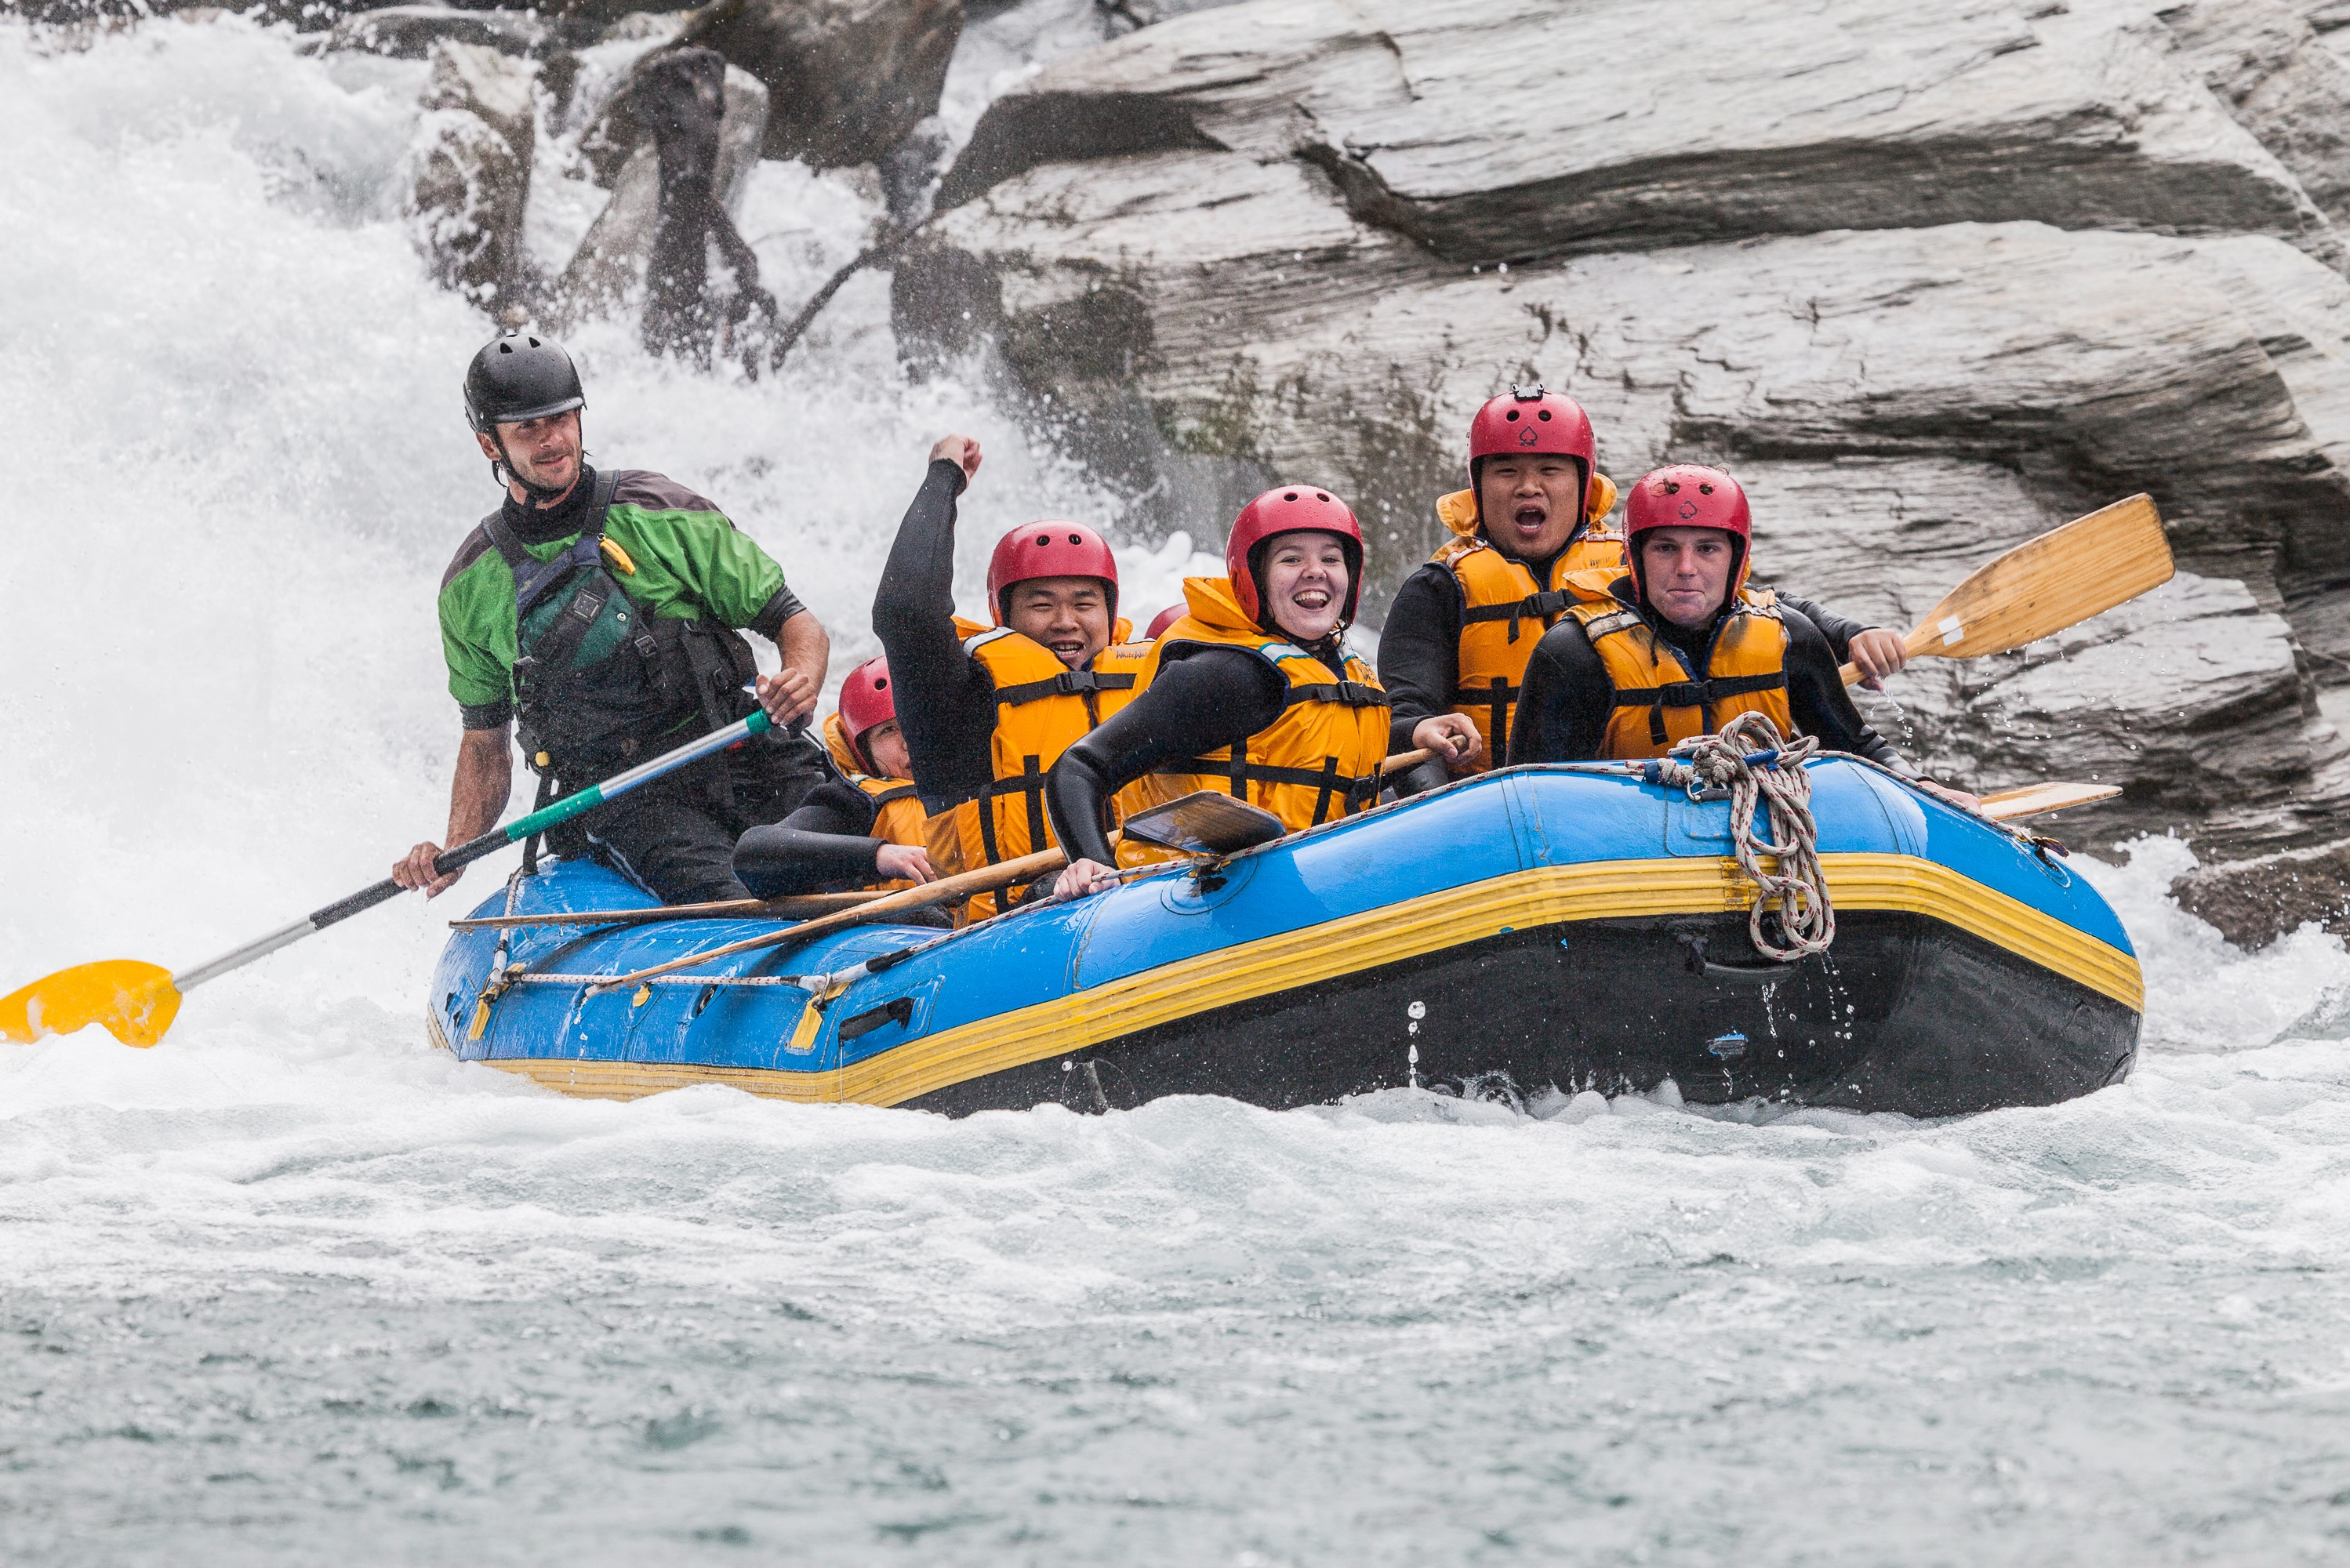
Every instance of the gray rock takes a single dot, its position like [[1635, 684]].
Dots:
[[408, 32], [470, 170], [2253, 902], [1466, 125], [850, 79], [608, 268]]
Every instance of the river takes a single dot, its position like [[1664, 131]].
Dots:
[[293, 1287]]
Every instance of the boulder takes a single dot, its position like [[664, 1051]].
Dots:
[[410, 32], [608, 268], [1500, 130], [849, 79], [2253, 902], [470, 170]]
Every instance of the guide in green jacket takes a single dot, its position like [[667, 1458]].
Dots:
[[602, 613]]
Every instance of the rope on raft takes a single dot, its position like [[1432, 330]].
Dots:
[[1751, 760]]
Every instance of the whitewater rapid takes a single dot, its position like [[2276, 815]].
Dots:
[[293, 1287]]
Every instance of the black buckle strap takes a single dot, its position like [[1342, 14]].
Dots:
[[1546, 607], [1352, 693], [1067, 683]]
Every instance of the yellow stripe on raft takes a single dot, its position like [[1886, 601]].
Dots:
[[1600, 890]]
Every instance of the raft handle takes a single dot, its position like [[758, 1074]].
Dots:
[[899, 1010], [1693, 959]]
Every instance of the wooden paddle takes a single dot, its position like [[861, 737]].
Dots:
[[2030, 800], [801, 907], [945, 891], [2046, 585]]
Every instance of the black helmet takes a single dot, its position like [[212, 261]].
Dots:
[[519, 375]]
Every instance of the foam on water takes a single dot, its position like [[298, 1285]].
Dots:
[[293, 1287]]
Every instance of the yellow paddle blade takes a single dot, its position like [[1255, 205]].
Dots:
[[2030, 800], [136, 1001], [2046, 585]]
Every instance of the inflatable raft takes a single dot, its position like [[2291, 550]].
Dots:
[[1566, 928]]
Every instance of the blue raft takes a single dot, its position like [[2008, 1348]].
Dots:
[[1537, 928]]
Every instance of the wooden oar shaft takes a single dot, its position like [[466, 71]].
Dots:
[[801, 907], [1403, 760], [946, 890]]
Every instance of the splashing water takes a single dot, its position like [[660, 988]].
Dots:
[[293, 1283]]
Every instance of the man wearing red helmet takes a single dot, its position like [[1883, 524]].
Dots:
[[1462, 627], [1252, 692], [1678, 645], [864, 827], [987, 710]]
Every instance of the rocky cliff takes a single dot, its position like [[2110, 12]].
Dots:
[[1931, 278]]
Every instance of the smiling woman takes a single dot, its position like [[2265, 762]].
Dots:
[[1254, 692]]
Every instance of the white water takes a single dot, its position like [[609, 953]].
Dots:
[[292, 1287]]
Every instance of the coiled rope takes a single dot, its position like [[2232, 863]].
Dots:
[[1749, 759]]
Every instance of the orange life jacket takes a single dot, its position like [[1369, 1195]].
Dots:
[[1659, 700], [1042, 708], [1319, 760], [1505, 611], [897, 814]]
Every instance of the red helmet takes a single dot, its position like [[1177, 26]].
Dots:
[[1532, 419], [866, 702], [1688, 496], [1049, 550], [1162, 620], [1291, 509]]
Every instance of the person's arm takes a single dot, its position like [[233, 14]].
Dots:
[[478, 794], [1563, 709], [1213, 697], [1878, 652], [790, 695], [1817, 699], [946, 703], [1419, 650]]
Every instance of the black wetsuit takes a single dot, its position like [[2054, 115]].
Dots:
[[946, 707], [1203, 699], [825, 843], [1419, 650], [1562, 713]]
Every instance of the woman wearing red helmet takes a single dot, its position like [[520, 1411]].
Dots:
[[987, 710], [866, 826], [1679, 645], [1253, 691], [1462, 627]]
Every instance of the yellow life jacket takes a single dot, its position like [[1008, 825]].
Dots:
[[1660, 701], [1042, 709], [1505, 611], [897, 814], [1319, 760]]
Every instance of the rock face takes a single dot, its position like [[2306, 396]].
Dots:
[[410, 32], [470, 164], [850, 79], [1931, 279], [609, 265]]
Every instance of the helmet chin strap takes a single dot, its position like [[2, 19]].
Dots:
[[503, 467]]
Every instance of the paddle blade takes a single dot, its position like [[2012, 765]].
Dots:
[[136, 1003], [1205, 822], [2046, 585], [2006, 804]]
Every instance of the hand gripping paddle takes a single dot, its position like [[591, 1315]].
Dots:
[[2046, 585], [137, 1001]]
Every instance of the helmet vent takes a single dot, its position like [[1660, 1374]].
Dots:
[[1672, 487], [506, 347], [1512, 415], [1705, 490], [1044, 538], [1319, 496], [1074, 540], [1290, 496], [1544, 415], [881, 683]]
